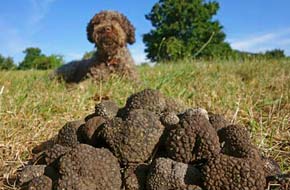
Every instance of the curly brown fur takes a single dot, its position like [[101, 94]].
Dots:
[[110, 31]]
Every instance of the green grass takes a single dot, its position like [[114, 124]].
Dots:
[[255, 94]]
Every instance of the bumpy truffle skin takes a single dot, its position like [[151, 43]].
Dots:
[[147, 99], [174, 106], [271, 167], [68, 135], [40, 183], [279, 182], [236, 142], [218, 121], [195, 111], [133, 140], [135, 177], [192, 139], [169, 119], [90, 130], [30, 172], [86, 167], [53, 154], [167, 174], [226, 172], [107, 109]]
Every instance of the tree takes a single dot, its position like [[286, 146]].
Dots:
[[184, 28], [275, 54], [6, 63], [51, 62], [31, 54], [34, 59]]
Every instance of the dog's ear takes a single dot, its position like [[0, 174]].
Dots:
[[90, 27], [90, 31], [128, 28]]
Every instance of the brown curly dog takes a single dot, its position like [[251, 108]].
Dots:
[[110, 31]]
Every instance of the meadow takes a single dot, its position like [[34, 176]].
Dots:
[[252, 93]]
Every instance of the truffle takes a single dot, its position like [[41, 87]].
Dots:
[[218, 121], [195, 111], [236, 142], [271, 167], [226, 172], [107, 109], [278, 182], [30, 172], [135, 177], [173, 106], [69, 134], [86, 167], [169, 118], [40, 183], [133, 140], [165, 173], [53, 154], [148, 99], [192, 139], [90, 130]]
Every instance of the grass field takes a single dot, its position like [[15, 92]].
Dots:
[[255, 94]]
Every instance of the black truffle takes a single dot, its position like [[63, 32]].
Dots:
[[192, 139], [30, 172], [135, 177], [236, 142], [165, 173], [86, 167], [133, 140], [90, 130], [53, 154], [148, 99], [40, 183], [169, 118], [69, 134], [107, 109], [218, 121], [226, 172], [271, 167]]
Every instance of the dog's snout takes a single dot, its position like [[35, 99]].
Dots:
[[108, 29]]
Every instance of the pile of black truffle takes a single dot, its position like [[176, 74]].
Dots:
[[152, 143]]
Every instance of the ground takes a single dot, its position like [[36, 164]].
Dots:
[[252, 93]]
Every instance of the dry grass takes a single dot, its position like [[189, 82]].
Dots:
[[256, 94]]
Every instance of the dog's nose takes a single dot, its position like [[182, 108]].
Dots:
[[108, 29]]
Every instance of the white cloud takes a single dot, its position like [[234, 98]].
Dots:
[[262, 42], [253, 41]]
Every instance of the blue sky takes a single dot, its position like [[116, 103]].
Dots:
[[58, 26]]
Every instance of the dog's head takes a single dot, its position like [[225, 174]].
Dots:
[[110, 30]]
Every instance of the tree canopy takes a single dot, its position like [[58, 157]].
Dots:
[[35, 59], [6, 63], [184, 28]]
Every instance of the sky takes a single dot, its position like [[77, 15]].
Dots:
[[59, 26]]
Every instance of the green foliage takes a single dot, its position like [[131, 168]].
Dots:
[[34, 59], [184, 28], [31, 54], [268, 55], [6, 63], [50, 62], [275, 54]]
